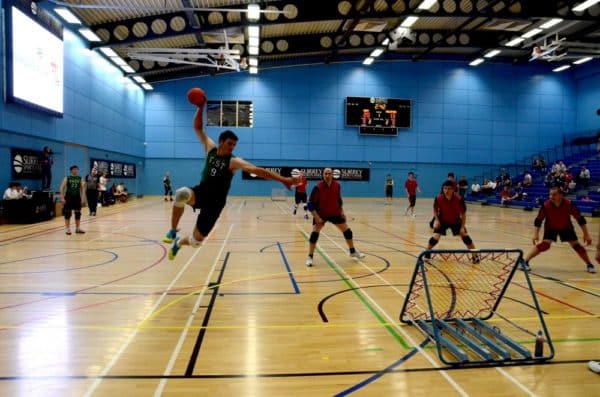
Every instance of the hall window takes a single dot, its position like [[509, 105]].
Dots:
[[230, 113]]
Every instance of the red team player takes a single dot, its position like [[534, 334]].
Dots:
[[556, 215], [450, 212], [300, 194], [412, 187]]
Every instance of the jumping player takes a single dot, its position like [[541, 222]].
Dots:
[[211, 194], [556, 215], [300, 194]]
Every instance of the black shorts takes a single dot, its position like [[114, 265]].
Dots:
[[72, 203], [300, 197], [210, 210], [454, 227], [336, 220], [412, 199], [565, 235], [389, 191]]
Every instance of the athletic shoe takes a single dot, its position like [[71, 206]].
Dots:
[[174, 249], [79, 231], [525, 265], [309, 261], [357, 255], [475, 259], [594, 366], [68, 232], [171, 234], [591, 268], [305, 216], [295, 210]]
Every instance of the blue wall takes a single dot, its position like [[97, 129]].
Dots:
[[464, 120], [103, 118], [588, 98]]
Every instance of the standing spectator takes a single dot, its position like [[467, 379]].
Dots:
[[167, 186], [527, 179], [210, 195], [412, 188], [325, 204], [475, 188], [450, 212], [91, 191], [389, 188], [300, 194], [47, 162], [102, 183], [555, 214], [463, 185], [72, 196], [584, 177]]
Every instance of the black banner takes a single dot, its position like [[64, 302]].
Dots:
[[113, 169], [314, 173], [26, 164]]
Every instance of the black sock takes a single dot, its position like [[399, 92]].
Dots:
[[310, 255], [352, 250]]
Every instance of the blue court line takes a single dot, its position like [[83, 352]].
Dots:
[[381, 373], [287, 266]]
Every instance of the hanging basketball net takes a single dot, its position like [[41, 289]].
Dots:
[[469, 304]]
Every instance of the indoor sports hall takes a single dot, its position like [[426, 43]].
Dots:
[[500, 96]]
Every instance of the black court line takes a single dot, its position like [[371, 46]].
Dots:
[[214, 287], [288, 375]]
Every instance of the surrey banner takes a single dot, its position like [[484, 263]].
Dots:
[[113, 169], [313, 173], [26, 163]]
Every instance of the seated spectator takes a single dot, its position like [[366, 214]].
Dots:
[[584, 177], [13, 192], [527, 179], [475, 189], [587, 199], [518, 193], [488, 187], [535, 164], [505, 196], [121, 193]]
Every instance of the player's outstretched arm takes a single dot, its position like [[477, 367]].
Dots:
[[199, 128], [250, 168]]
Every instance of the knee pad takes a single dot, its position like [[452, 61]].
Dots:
[[348, 234], [182, 196], [193, 242], [544, 246], [314, 236], [433, 242], [467, 240], [579, 249], [77, 215]]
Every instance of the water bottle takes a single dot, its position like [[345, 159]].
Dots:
[[539, 344]]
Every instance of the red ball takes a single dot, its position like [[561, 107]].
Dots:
[[196, 96]]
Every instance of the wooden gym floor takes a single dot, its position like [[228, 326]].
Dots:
[[107, 314]]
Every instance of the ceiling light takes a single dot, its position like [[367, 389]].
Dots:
[[139, 79], [368, 61], [253, 41], [118, 61], [561, 68], [253, 61], [67, 15], [127, 68], [253, 31], [253, 12], [109, 52], [376, 52], [531, 33], [550, 23], [89, 35], [426, 4], [253, 70], [492, 54], [583, 60], [515, 41], [147, 86], [585, 5], [253, 50], [476, 62], [386, 41], [409, 21]]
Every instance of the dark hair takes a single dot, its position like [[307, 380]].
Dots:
[[448, 183], [73, 166], [227, 134], [451, 174], [411, 173]]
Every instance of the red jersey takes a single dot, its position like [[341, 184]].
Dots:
[[450, 211], [301, 186], [327, 200], [558, 217], [411, 186]]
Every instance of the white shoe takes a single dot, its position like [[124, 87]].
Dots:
[[357, 255], [309, 261], [594, 366]]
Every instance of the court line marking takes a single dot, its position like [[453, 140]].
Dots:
[[90, 391], [161, 385]]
